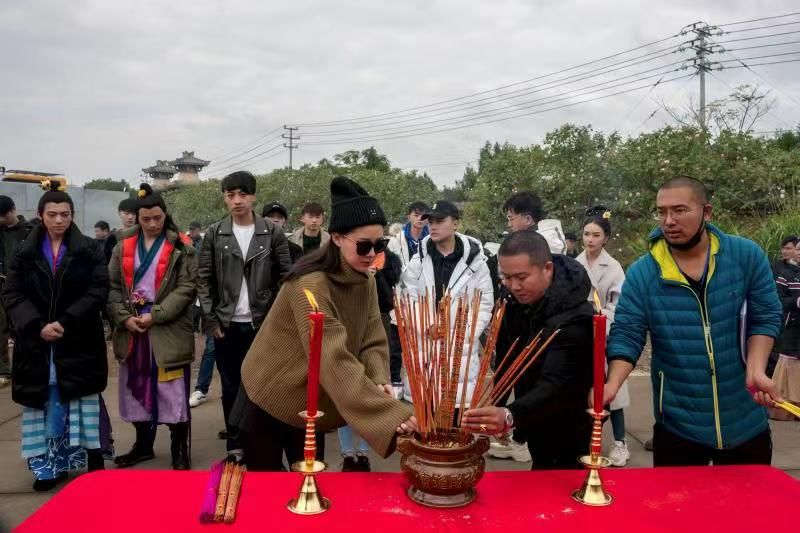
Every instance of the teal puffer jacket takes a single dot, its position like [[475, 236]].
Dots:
[[698, 369]]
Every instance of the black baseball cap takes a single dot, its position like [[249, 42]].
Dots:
[[269, 207], [442, 209]]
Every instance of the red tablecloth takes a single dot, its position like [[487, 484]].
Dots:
[[684, 500]]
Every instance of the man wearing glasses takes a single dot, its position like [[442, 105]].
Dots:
[[690, 292], [451, 261]]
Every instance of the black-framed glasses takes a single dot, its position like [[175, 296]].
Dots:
[[363, 246]]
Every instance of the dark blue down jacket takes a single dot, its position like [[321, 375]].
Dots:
[[698, 370]]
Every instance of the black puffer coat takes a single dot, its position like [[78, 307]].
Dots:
[[34, 297]]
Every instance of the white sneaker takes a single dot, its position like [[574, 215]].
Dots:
[[397, 392], [197, 398], [4, 381], [619, 453], [513, 450]]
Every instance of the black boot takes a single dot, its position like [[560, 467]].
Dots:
[[179, 445], [142, 449], [43, 485], [94, 460]]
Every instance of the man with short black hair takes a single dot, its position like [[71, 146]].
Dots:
[[572, 244], [277, 213], [195, 233], [449, 261], [13, 230], [238, 259], [101, 231], [689, 293], [406, 244], [127, 217], [544, 292], [311, 236]]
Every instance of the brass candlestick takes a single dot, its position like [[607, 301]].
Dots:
[[309, 500], [592, 492]]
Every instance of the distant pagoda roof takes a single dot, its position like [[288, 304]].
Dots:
[[189, 160], [161, 167]]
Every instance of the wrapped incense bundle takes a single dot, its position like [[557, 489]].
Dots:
[[222, 493], [210, 495], [233, 493]]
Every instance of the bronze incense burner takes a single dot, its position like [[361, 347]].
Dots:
[[443, 476]]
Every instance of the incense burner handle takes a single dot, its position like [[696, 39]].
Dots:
[[482, 445], [404, 445]]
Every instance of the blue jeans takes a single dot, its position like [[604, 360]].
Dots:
[[206, 366], [351, 442]]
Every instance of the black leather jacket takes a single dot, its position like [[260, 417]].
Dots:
[[221, 267]]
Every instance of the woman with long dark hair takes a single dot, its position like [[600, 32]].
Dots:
[[153, 285], [56, 286], [354, 373], [607, 277]]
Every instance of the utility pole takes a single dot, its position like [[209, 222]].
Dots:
[[291, 145], [702, 32]]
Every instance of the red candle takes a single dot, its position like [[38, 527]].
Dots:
[[599, 361], [316, 320]]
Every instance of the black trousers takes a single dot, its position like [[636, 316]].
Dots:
[[230, 352], [555, 447], [395, 354], [670, 449], [265, 439]]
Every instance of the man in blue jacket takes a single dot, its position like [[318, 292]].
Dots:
[[689, 293]]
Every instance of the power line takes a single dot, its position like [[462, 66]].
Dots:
[[256, 147], [765, 80], [343, 141], [247, 145], [759, 19], [757, 37], [758, 57], [449, 100], [757, 28], [520, 92], [786, 43], [770, 63], [526, 92], [517, 107], [218, 171]]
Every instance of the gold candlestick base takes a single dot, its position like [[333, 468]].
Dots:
[[309, 500], [592, 492]]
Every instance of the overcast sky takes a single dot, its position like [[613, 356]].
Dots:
[[103, 88]]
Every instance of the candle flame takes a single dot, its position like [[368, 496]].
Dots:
[[311, 300], [597, 303]]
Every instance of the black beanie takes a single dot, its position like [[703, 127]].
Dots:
[[352, 206]]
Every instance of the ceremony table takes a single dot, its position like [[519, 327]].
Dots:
[[743, 498]]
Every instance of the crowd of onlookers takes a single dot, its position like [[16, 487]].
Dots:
[[724, 331]]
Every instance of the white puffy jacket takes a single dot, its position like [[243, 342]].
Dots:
[[467, 276]]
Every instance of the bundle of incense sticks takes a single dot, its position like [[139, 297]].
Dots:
[[222, 493], [788, 407], [210, 496], [433, 342]]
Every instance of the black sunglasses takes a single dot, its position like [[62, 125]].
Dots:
[[363, 247]]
